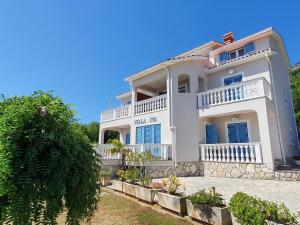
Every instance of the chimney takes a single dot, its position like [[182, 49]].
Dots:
[[228, 38]]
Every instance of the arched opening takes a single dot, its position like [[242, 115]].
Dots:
[[184, 83]]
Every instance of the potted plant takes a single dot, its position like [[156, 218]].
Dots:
[[297, 160], [208, 207], [146, 192], [131, 176], [170, 197], [248, 210], [117, 185], [105, 177]]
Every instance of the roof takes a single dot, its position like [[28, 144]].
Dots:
[[190, 55]]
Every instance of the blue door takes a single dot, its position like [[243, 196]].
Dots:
[[211, 134], [238, 133], [127, 138]]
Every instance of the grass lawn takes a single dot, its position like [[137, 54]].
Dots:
[[116, 210]]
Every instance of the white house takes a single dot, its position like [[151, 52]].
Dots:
[[221, 109]]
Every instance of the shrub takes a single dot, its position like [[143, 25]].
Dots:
[[47, 164], [106, 174], [132, 175], [121, 174], [249, 210], [171, 184], [146, 180], [202, 198], [157, 185]]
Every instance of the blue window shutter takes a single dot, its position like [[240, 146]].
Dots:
[[243, 133], [232, 133], [127, 140], [249, 47], [211, 134], [157, 133], [140, 135], [147, 135], [223, 56]]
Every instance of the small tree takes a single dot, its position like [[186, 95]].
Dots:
[[47, 164], [121, 148]]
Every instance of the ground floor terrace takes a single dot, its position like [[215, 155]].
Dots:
[[278, 191]]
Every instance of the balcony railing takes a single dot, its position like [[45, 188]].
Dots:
[[255, 88], [151, 105], [231, 152], [118, 113], [104, 152], [161, 151]]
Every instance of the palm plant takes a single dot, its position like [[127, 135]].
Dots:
[[121, 148]]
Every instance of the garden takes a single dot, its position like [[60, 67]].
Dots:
[[206, 206]]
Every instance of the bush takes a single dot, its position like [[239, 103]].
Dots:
[[202, 198], [106, 174], [157, 185], [171, 184], [121, 174], [47, 164], [146, 180], [249, 210], [132, 175]]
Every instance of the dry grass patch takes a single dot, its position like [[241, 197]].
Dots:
[[116, 210]]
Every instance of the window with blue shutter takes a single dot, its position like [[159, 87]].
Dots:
[[148, 134], [238, 133], [223, 56], [249, 47], [127, 138], [211, 134]]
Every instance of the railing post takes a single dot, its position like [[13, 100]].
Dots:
[[202, 147], [258, 153]]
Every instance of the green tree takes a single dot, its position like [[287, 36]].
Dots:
[[295, 86], [110, 135], [91, 130], [47, 164], [121, 148]]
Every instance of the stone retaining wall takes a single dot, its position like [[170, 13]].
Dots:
[[230, 170]]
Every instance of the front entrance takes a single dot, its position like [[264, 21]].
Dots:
[[238, 132]]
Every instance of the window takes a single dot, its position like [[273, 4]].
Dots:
[[150, 134], [232, 79], [223, 56], [248, 48], [232, 55], [182, 89], [183, 83]]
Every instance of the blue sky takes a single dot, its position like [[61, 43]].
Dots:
[[83, 50]]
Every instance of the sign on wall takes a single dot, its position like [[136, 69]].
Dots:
[[145, 121]]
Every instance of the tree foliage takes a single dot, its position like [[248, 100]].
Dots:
[[47, 164], [92, 131], [295, 86]]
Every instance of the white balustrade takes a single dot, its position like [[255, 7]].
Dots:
[[250, 89], [118, 113], [150, 105], [104, 152], [161, 151], [231, 152]]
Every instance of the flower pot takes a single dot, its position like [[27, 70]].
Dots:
[[172, 202], [211, 215], [145, 194], [117, 185], [105, 181], [129, 189]]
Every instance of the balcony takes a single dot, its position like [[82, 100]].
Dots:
[[231, 152], [161, 151], [150, 105], [118, 113], [246, 90]]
